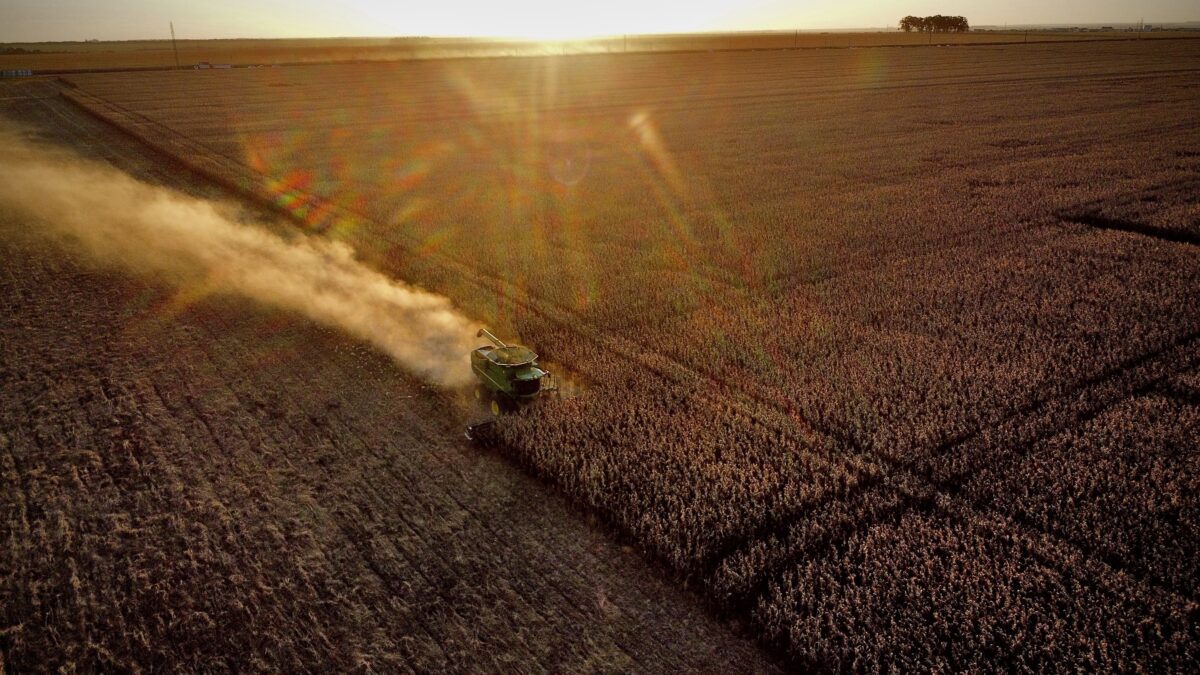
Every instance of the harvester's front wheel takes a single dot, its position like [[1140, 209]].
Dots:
[[479, 392], [495, 408]]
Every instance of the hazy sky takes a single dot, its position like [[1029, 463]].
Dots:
[[34, 20]]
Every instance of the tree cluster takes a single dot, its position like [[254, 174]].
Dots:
[[935, 24]]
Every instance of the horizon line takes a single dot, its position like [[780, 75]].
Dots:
[[601, 36]]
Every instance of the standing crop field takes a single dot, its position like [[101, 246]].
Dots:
[[890, 351], [82, 56]]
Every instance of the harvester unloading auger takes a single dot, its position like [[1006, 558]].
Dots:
[[509, 377]]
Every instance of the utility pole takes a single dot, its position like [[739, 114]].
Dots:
[[174, 45]]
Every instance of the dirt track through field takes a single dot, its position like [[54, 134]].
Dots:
[[191, 480]]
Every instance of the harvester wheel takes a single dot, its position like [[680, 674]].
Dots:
[[495, 408], [478, 392]]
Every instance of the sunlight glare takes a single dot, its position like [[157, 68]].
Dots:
[[543, 20]]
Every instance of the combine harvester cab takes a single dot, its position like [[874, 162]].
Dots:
[[508, 375]]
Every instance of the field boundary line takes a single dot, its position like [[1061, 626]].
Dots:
[[1100, 222], [1079, 410]]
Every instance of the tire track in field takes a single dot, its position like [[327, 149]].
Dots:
[[1145, 371]]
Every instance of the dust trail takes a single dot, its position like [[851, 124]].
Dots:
[[146, 228]]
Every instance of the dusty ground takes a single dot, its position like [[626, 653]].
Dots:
[[197, 482]]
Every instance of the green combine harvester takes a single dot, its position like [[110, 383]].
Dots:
[[509, 376]]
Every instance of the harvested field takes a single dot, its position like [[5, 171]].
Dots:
[[891, 353]]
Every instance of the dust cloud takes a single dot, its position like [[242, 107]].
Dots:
[[139, 227]]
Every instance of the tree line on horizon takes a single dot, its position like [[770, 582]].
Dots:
[[935, 24]]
